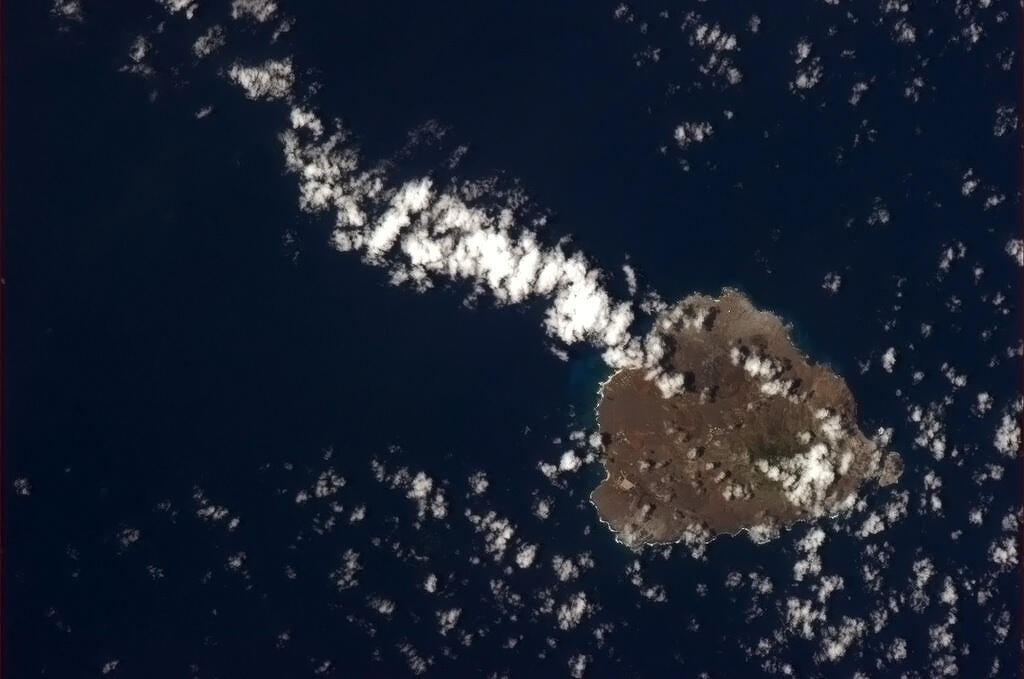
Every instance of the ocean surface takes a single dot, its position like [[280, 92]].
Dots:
[[185, 354]]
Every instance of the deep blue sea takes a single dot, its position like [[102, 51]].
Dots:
[[179, 338]]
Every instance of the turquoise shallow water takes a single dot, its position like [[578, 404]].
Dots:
[[585, 375]]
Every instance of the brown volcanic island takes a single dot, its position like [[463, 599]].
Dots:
[[733, 429]]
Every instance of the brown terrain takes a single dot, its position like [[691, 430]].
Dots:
[[751, 436]]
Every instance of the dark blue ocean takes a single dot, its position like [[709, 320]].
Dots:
[[178, 336]]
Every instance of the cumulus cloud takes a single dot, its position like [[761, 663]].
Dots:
[[67, 9], [174, 6], [950, 254], [1003, 553], [447, 619], [478, 482], [718, 46], [808, 545], [687, 134], [578, 665], [137, 53], [271, 80], [430, 583], [969, 183], [423, 232], [806, 477], [857, 91], [256, 10], [889, 359], [1015, 248], [209, 42], [1007, 437], [931, 432], [630, 274], [22, 487], [570, 613], [346, 575], [497, 532], [832, 282], [564, 568], [525, 555], [837, 639], [808, 76], [1006, 120]]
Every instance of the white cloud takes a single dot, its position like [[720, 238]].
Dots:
[[630, 275], [983, 404], [564, 568], [808, 76], [382, 605], [542, 508], [572, 611], [416, 662], [832, 282], [687, 134], [256, 10], [447, 619], [809, 545], [801, 617], [805, 477], [837, 639], [526, 555], [22, 487], [175, 6], [802, 50], [1003, 553], [969, 182], [931, 432], [718, 45], [420, 232], [478, 482], [70, 10], [271, 80], [497, 532], [1006, 120], [139, 49], [430, 583], [569, 461], [857, 91], [346, 575], [873, 524], [578, 665], [1007, 437], [879, 214], [889, 359], [950, 254], [137, 53], [209, 42], [1015, 248], [903, 32]]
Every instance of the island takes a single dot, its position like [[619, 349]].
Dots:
[[731, 428]]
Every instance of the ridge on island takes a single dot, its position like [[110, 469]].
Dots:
[[733, 430]]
